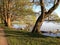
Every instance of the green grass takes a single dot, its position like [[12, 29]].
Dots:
[[15, 37]]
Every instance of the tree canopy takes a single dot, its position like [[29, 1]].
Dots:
[[8, 8]]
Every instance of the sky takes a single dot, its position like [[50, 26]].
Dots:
[[37, 9], [58, 10]]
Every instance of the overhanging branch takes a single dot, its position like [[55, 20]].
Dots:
[[53, 8]]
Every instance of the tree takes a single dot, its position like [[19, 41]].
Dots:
[[14, 7], [5, 15], [44, 14], [53, 16]]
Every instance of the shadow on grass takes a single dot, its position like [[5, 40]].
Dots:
[[22, 33]]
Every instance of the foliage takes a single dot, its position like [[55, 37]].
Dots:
[[11, 8]]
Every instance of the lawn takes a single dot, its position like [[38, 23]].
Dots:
[[16, 37]]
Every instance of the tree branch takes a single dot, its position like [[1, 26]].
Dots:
[[42, 15], [55, 1], [33, 1], [53, 8]]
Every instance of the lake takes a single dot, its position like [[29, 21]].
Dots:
[[46, 26], [50, 26]]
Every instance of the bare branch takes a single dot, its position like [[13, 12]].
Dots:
[[55, 1]]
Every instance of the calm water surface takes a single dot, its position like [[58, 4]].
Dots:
[[50, 26], [46, 26]]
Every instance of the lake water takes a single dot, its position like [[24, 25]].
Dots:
[[50, 26], [46, 26]]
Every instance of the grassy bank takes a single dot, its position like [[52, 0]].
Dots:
[[17, 37], [26, 38]]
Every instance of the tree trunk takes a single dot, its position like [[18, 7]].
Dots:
[[8, 16], [48, 18], [5, 23], [40, 19], [38, 25], [43, 15], [9, 21]]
